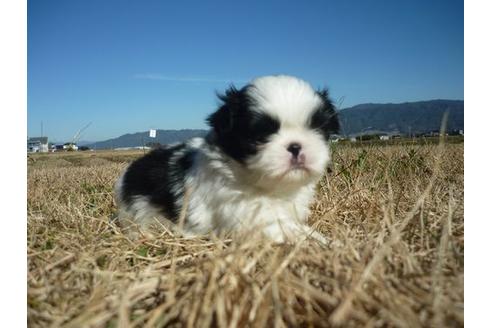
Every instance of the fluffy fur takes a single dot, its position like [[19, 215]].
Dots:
[[256, 169]]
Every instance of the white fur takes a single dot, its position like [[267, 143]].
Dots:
[[224, 196], [287, 98]]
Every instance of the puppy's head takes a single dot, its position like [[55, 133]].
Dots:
[[277, 128]]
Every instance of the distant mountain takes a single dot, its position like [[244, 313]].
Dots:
[[139, 138], [404, 118], [409, 117]]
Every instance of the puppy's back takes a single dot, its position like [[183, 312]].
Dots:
[[153, 185]]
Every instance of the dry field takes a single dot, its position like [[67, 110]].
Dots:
[[396, 213]]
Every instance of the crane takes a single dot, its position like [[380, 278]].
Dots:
[[73, 144]]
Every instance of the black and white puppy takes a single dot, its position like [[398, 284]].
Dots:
[[256, 169]]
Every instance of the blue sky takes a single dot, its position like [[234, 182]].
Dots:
[[128, 66]]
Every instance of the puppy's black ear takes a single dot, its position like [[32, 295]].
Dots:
[[222, 121], [325, 118]]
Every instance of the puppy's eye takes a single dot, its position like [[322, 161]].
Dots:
[[262, 126], [325, 121]]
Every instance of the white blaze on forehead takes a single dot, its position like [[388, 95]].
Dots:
[[290, 100]]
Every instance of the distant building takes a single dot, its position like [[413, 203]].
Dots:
[[434, 133], [384, 137], [70, 146], [57, 148], [37, 145], [334, 138], [353, 139]]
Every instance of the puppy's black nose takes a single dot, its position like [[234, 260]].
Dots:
[[294, 148]]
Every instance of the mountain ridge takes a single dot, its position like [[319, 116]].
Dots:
[[404, 118]]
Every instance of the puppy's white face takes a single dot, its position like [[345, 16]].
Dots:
[[293, 155], [296, 152], [277, 127]]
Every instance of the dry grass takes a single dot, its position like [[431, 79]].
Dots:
[[397, 215]]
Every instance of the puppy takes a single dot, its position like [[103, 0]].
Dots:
[[256, 169]]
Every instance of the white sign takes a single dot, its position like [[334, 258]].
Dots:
[[152, 133]]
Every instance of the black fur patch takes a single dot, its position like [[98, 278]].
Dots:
[[325, 118], [160, 179], [239, 129]]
